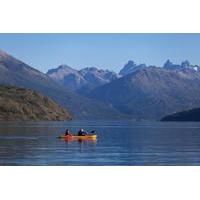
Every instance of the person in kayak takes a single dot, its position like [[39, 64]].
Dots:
[[67, 132], [81, 132]]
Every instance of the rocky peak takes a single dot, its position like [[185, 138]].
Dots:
[[185, 64], [168, 64], [130, 67]]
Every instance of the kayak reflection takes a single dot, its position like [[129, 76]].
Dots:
[[69, 140], [88, 146]]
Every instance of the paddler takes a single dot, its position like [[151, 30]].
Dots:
[[67, 132], [81, 132]]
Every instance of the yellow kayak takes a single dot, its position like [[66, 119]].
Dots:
[[76, 137]]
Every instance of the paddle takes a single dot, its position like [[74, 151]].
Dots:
[[92, 131]]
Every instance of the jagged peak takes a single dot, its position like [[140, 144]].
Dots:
[[168, 63], [130, 63], [130, 67], [185, 63]]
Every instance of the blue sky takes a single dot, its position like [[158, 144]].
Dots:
[[106, 51]]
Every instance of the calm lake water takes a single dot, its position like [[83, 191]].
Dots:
[[119, 143]]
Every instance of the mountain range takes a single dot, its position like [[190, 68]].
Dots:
[[152, 92], [138, 91], [81, 81]]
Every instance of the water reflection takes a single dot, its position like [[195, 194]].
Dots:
[[119, 143]]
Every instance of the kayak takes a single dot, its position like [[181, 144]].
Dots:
[[76, 137]]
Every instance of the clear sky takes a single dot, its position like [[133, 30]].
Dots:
[[111, 51]]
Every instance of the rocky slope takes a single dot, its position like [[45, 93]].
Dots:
[[23, 104]]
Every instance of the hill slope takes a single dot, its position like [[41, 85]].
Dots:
[[23, 104], [16, 73], [152, 92], [189, 115]]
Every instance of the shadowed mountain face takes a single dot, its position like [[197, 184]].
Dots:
[[81, 81], [152, 93], [16, 73]]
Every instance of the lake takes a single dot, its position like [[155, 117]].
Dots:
[[122, 143]]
